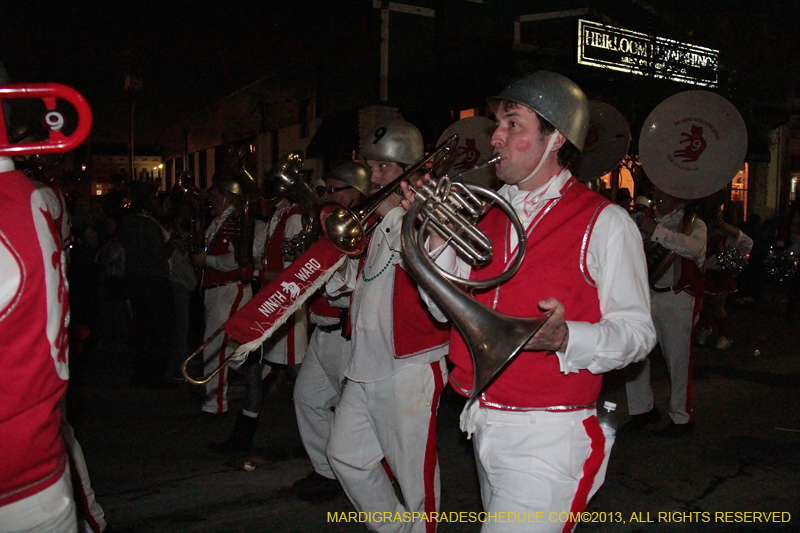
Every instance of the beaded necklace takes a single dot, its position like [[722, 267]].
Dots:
[[376, 276], [364, 268]]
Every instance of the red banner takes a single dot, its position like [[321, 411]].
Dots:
[[281, 297]]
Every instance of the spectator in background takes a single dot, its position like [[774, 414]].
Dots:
[[147, 251], [183, 280]]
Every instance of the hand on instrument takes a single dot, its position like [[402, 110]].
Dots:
[[554, 334], [647, 223], [409, 197]]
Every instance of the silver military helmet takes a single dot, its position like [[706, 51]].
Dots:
[[393, 140], [556, 98], [231, 186], [353, 174]]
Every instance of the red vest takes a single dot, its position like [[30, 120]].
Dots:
[[33, 352], [320, 306], [692, 279], [554, 266], [415, 330], [212, 276], [273, 256]]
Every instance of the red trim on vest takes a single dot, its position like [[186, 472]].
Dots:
[[590, 469], [431, 457], [551, 269]]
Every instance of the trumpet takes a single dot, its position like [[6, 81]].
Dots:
[[345, 227]]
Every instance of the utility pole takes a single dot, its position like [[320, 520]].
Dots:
[[132, 83]]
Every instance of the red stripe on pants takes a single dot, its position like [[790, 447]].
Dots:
[[590, 469], [81, 501], [431, 458], [221, 357]]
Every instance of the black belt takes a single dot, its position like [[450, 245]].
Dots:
[[223, 284], [330, 329], [661, 289]]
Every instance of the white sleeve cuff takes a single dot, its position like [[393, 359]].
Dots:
[[581, 348]]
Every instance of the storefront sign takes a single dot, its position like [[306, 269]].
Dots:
[[638, 53]]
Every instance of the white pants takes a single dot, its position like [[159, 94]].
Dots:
[[674, 317], [538, 462], [395, 419], [221, 303], [91, 516], [317, 391], [49, 511]]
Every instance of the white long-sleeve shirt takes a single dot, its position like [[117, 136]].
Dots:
[[669, 234], [371, 310], [615, 260]]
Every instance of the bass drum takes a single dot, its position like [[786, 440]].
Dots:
[[693, 144], [607, 143]]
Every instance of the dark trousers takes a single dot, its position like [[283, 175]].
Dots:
[[153, 313]]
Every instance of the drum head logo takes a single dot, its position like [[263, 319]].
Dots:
[[695, 145], [467, 156]]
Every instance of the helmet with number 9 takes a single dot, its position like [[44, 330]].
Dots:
[[394, 140]]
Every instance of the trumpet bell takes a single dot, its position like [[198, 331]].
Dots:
[[343, 228]]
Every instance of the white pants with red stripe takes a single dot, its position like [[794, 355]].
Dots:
[[91, 517], [674, 316], [395, 419], [537, 462], [317, 390], [221, 302]]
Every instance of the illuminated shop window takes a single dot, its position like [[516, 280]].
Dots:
[[739, 188]]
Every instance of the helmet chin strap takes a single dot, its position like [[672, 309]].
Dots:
[[546, 152]]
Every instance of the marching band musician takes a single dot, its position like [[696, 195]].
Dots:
[[388, 407], [226, 284], [319, 382], [284, 348], [675, 300], [537, 442], [43, 464], [35, 488]]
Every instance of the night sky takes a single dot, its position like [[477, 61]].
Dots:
[[187, 53]]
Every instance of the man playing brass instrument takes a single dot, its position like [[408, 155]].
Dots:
[[388, 408], [226, 284], [538, 445], [319, 382], [675, 298]]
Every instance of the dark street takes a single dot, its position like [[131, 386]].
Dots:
[[152, 472]]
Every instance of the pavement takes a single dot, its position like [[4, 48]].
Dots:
[[152, 472]]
